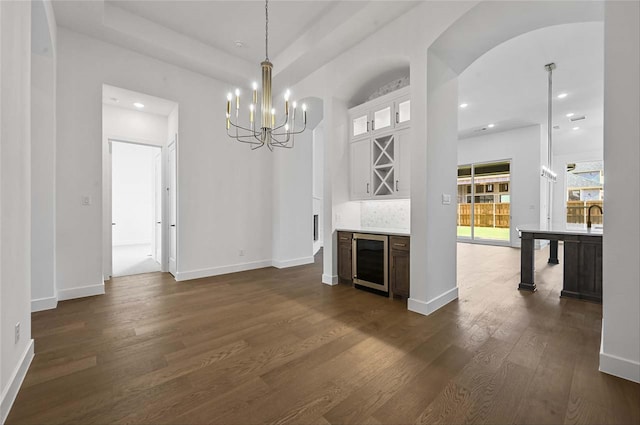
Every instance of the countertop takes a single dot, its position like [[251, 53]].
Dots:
[[375, 230], [556, 229]]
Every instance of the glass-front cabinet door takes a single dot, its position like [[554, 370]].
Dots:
[[382, 118], [359, 125], [403, 112]]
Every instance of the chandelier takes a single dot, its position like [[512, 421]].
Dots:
[[269, 134]]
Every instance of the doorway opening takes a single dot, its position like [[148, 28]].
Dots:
[[140, 137], [484, 202], [136, 207]]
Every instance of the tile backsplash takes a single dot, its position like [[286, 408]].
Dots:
[[394, 214]]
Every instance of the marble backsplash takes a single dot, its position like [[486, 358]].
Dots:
[[392, 214]]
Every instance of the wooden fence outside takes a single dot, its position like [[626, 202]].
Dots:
[[577, 212], [485, 215]]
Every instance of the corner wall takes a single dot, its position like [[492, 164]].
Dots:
[[620, 350], [15, 199], [43, 157]]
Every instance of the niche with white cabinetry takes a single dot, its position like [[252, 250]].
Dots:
[[379, 147]]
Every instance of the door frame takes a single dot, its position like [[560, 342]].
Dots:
[[167, 211], [108, 202]]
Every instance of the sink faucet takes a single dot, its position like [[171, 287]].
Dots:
[[589, 214]]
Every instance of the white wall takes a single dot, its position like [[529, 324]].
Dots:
[[43, 157], [620, 351], [519, 146], [133, 193], [224, 190], [293, 204], [15, 198]]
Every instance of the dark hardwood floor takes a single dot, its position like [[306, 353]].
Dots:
[[278, 346]]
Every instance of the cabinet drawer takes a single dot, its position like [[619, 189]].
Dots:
[[399, 242], [344, 237]]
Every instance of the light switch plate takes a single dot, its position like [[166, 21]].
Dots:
[[446, 199]]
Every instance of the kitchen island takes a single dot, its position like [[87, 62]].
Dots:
[[582, 276]]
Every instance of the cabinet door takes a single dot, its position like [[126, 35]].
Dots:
[[403, 112], [382, 117], [360, 169], [359, 125], [345, 273], [402, 185], [399, 275]]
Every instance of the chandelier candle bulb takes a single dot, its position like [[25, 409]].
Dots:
[[251, 108], [255, 92], [237, 98], [304, 113], [273, 118]]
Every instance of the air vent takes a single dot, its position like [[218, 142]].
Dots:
[[556, 127], [581, 117]]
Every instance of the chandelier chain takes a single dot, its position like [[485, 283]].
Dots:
[[266, 29]]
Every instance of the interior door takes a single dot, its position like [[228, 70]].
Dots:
[[171, 189], [157, 210]]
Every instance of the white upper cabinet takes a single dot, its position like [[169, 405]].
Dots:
[[360, 169], [380, 115], [403, 111], [382, 118], [359, 125], [380, 152]]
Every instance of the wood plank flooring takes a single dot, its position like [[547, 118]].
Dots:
[[277, 346]]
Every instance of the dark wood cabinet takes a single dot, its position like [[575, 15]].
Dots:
[[399, 265], [345, 271]]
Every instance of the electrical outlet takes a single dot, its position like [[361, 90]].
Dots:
[[241, 253], [17, 332], [85, 200]]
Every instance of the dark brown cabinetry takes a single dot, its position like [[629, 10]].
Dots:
[[398, 262], [345, 271], [399, 265]]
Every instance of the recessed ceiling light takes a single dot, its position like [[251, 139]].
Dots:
[[239, 43], [570, 114], [138, 105], [464, 105], [562, 95], [491, 125], [576, 128], [114, 99]]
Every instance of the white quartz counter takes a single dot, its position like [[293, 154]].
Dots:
[[555, 229], [375, 230]]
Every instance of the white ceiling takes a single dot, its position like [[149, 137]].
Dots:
[[201, 35], [222, 23], [122, 98], [508, 85]]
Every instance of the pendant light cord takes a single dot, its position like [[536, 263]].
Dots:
[[266, 29]]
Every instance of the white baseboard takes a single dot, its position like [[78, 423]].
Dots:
[[15, 381], [292, 263], [434, 304], [41, 304], [80, 292], [329, 280], [215, 271], [617, 366]]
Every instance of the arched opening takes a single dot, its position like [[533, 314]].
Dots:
[[482, 28]]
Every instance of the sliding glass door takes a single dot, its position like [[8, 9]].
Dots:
[[484, 202]]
